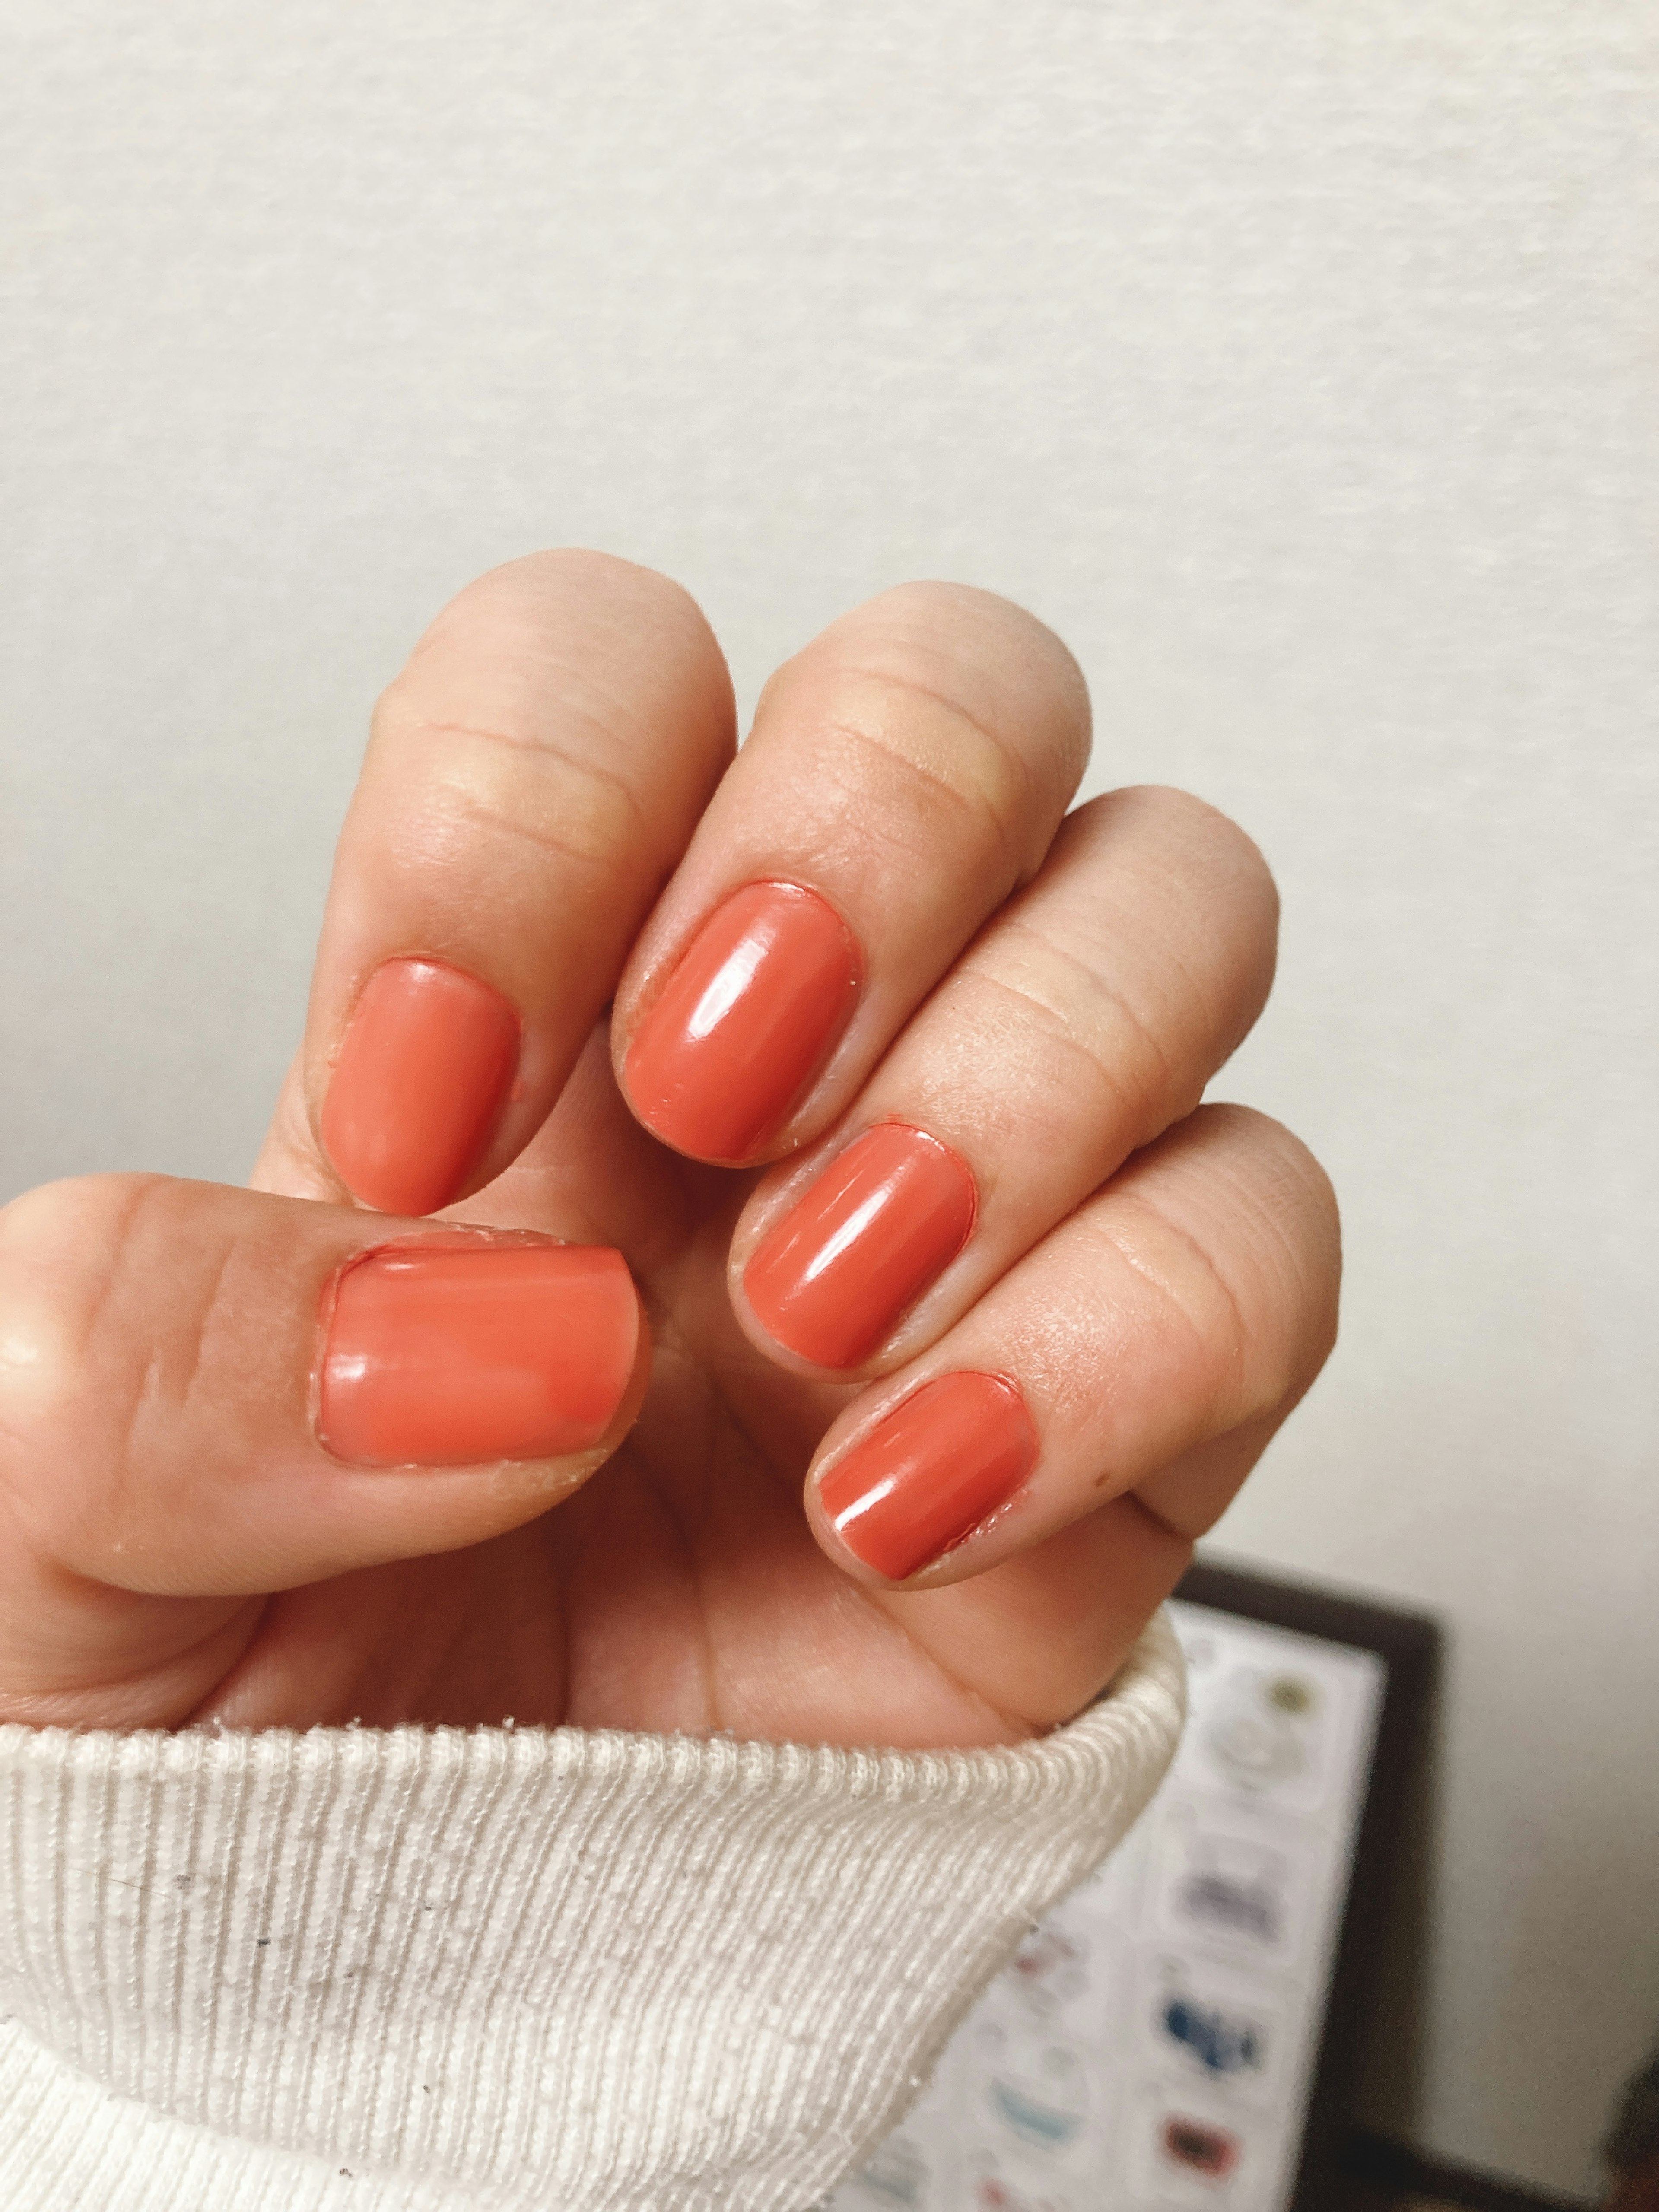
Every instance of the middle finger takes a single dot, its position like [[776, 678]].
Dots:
[[906, 772]]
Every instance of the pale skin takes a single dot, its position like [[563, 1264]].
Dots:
[[552, 800]]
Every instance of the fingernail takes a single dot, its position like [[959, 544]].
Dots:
[[439, 1354], [428, 1057], [926, 1476], [745, 1022], [834, 1277]]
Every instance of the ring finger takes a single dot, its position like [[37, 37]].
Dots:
[[1151, 1345], [1080, 1025]]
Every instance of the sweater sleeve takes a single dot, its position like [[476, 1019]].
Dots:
[[440, 1971]]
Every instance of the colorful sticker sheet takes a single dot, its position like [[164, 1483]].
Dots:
[[1153, 2045]]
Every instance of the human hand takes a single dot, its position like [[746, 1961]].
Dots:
[[986, 1028]]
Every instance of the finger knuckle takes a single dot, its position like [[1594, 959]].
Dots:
[[572, 647], [1026, 675], [1160, 953], [57, 1265], [945, 755], [1229, 1224], [111, 1296], [512, 786], [1200, 1296], [1103, 1051], [1276, 1209], [956, 701], [1211, 868]]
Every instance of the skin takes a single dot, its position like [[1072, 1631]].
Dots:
[[552, 801]]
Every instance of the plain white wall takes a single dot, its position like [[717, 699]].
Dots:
[[1297, 364]]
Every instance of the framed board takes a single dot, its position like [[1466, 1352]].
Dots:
[[1181, 2030]]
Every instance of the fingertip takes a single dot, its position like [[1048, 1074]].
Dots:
[[926, 1474], [426, 1062], [998, 650], [524, 610], [733, 1035]]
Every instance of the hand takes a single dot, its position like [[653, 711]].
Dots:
[[881, 1072]]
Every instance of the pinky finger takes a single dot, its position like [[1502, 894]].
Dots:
[[1146, 1350]]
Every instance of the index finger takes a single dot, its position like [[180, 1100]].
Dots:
[[532, 778]]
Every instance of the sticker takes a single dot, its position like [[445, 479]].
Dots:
[[1222, 2042], [1189, 2150], [1033, 2089], [1263, 1734], [1049, 1970], [1241, 1891], [895, 2179], [1213, 2024], [995, 2189], [1199, 2147]]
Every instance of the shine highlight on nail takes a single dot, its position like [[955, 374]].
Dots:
[[926, 1475], [748, 1016], [838, 1273]]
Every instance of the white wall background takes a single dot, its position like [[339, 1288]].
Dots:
[[1296, 363]]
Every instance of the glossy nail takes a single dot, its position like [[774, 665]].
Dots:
[[863, 1243], [427, 1060], [442, 1353], [926, 1476], [745, 1022]]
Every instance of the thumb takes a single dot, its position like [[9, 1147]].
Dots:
[[208, 1394]]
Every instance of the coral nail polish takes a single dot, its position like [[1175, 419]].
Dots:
[[428, 1057], [862, 1244], [745, 1022], [927, 1475], [442, 1353]]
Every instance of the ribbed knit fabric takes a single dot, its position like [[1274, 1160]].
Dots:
[[414, 1971]]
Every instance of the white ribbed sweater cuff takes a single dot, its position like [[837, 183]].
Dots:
[[413, 1970]]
